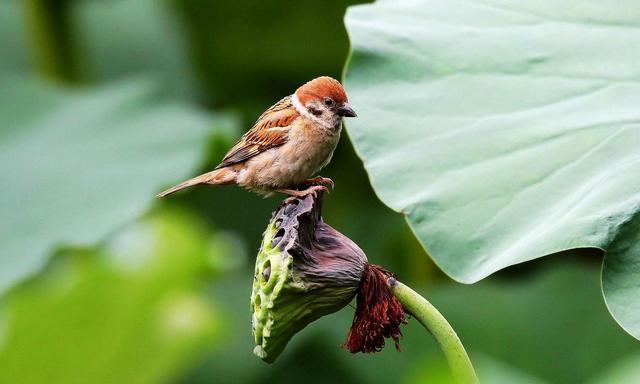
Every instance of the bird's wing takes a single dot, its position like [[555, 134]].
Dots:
[[270, 130]]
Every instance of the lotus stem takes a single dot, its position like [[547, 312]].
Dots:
[[437, 325]]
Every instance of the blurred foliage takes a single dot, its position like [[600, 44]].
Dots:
[[133, 311], [13, 38], [126, 38], [247, 52], [166, 299], [83, 163], [623, 371], [49, 30]]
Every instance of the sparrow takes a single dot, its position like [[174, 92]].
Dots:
[[289, 143]]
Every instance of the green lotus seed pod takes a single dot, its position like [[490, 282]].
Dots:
[[305, 270]]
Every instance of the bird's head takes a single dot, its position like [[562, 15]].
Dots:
[[325, 99]]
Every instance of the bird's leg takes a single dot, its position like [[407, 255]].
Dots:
[[294, 193], [320, 180], [304, 192]]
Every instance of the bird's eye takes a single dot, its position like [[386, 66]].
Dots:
[[328, 101]]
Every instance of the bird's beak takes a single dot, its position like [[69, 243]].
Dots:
[[346, 111]]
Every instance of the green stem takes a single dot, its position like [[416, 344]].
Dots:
[[48, 25], [437, 325]]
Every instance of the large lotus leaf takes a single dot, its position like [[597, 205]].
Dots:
[[75, 165], [505, 130]]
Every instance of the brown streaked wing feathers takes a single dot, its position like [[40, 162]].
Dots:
[[270, 130]]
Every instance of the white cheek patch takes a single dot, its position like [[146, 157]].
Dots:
[[302, 110]]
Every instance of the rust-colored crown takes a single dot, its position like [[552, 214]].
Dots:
[[322, 87]]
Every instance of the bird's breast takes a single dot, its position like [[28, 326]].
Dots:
[[308, 149]]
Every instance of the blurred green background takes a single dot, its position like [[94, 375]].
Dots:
[[135, 290]]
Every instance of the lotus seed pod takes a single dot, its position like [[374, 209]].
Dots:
[[305, 270]]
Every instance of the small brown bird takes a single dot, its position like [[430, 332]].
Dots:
[[288, 144]]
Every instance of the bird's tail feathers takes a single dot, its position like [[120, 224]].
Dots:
[[218, 177]]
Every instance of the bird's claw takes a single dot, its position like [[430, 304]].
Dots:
[[295, 194], [315, 189], [321, 180]]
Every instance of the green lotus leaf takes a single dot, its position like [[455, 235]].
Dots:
[[505, 131]]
